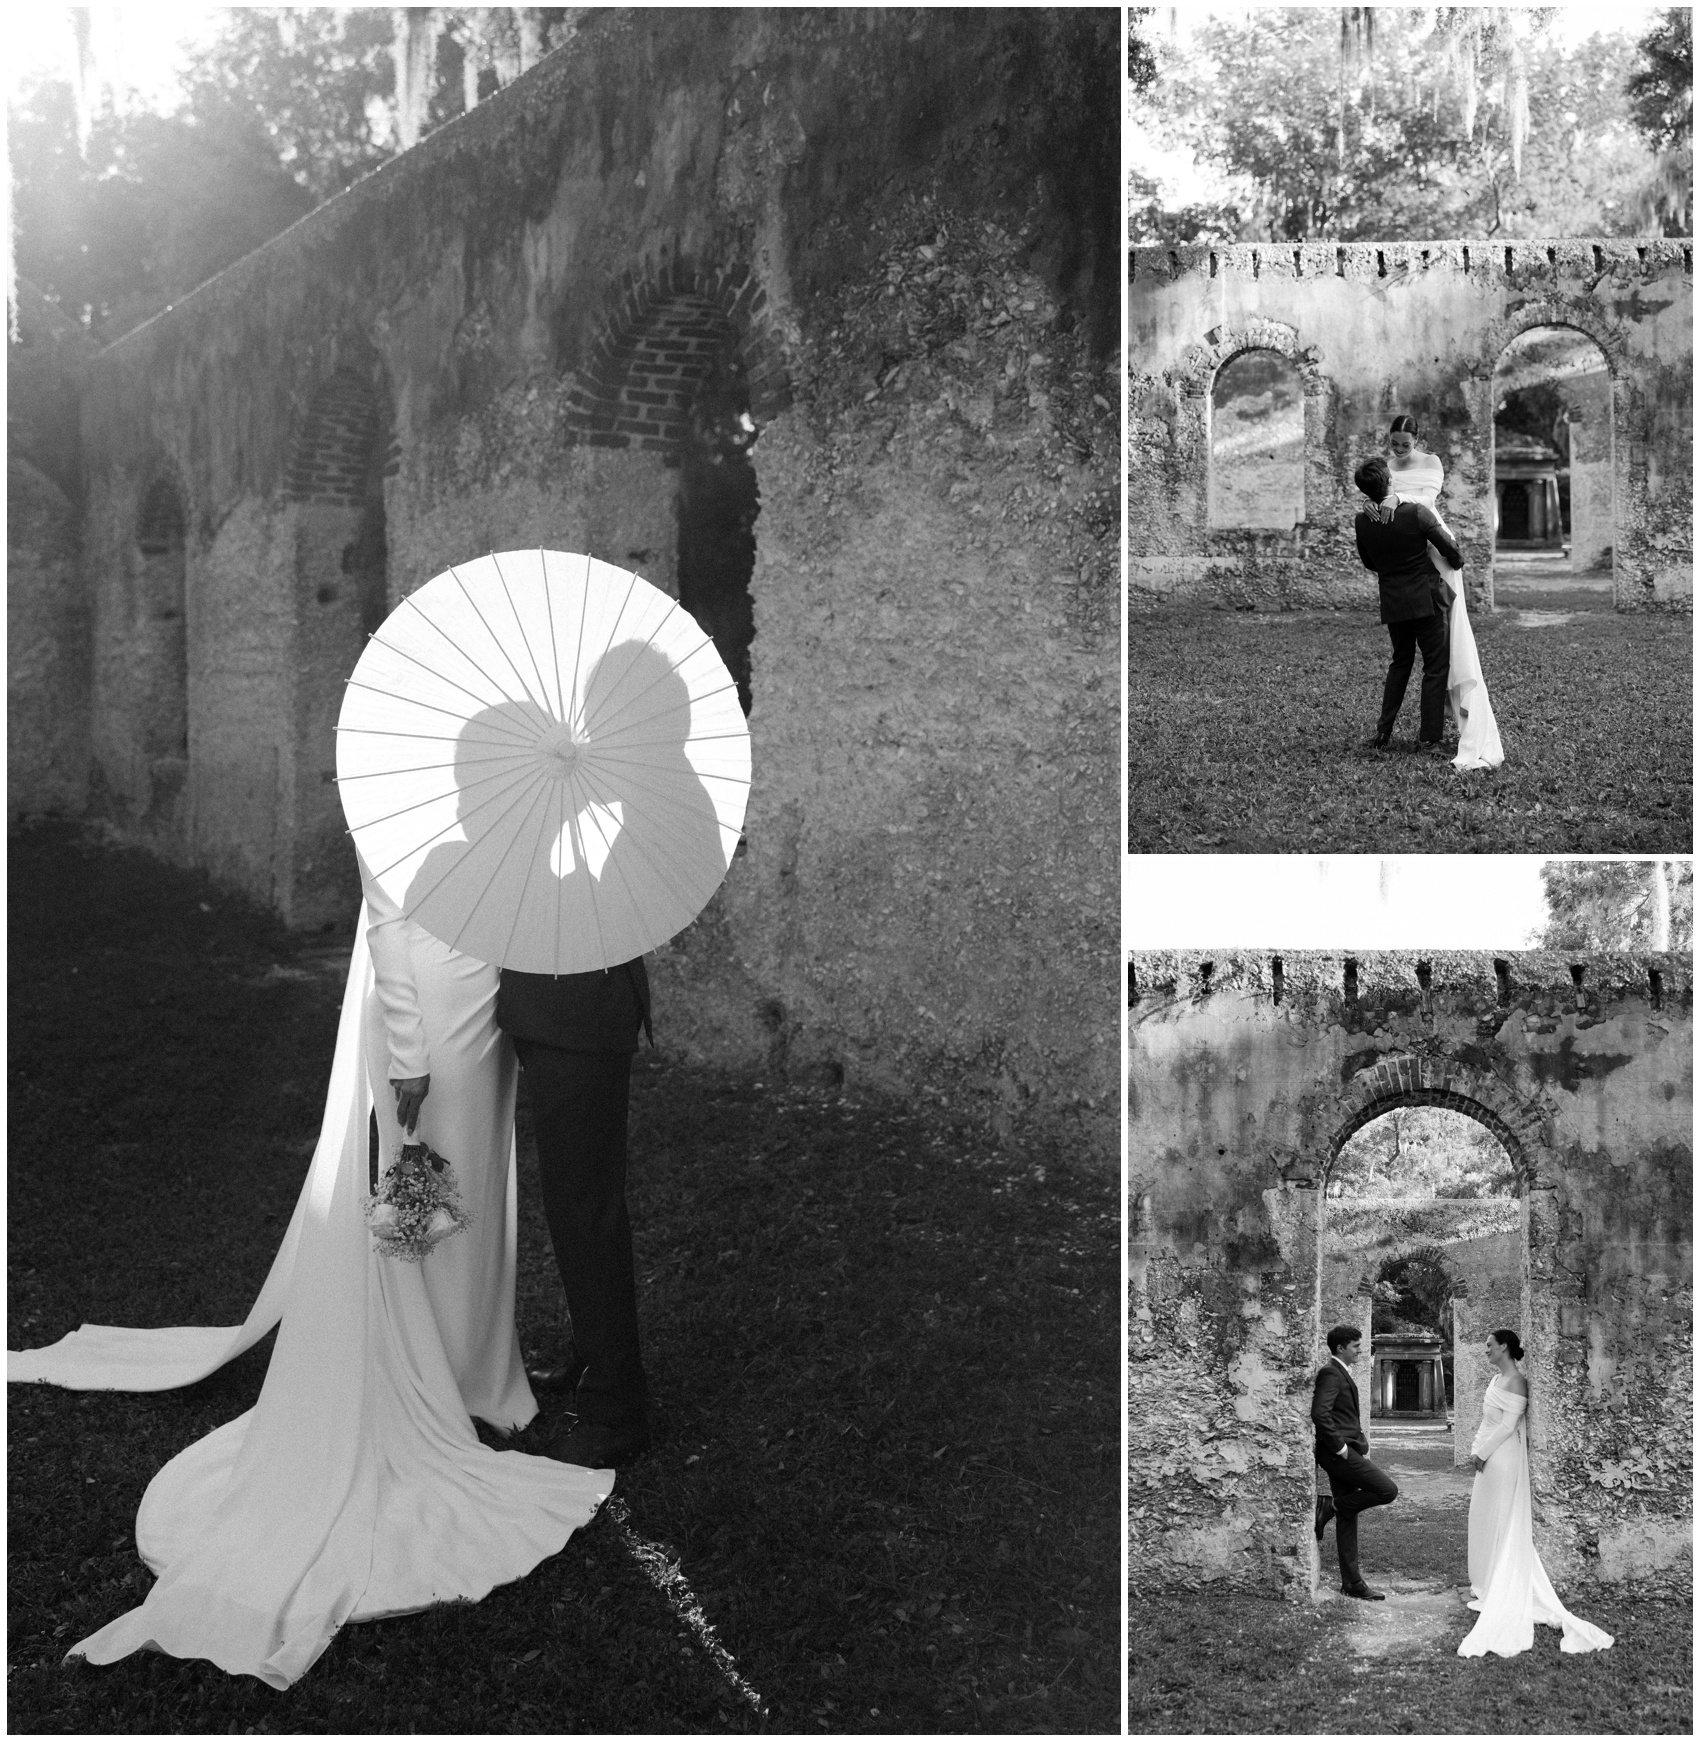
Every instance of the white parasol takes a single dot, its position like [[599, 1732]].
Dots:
[[543, 762]]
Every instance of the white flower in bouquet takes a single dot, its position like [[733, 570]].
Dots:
[[416, 1205]]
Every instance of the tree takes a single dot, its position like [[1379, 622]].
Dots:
[[1414, 1290], [1618, 904], [1422, 1152], [118, 211], [1320, 125], [1661, 105], [1141, 63], [154, 207]]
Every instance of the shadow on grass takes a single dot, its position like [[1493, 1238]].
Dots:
[[1248, 734], [885, 1359]]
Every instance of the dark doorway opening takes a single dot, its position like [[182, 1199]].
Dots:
[[717, 508]]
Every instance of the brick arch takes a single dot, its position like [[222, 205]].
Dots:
[[670, 329], [1409, 1080], [1202, 362], [345, 423], [1554, 311]]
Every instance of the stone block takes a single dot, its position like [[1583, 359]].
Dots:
[[1645, 1544]]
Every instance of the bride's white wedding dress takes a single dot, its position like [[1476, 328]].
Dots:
[[357, 1486], [1421, 480], [1510, 1588]]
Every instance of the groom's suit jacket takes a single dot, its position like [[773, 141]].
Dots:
[[596, 1012], [1398, 552], [1334, 1413]]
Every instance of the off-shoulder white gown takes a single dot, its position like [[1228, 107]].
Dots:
[[1509, 1587], [357, 1486], [1421, 479]]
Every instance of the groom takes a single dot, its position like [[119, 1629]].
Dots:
[[1342, 1449], [1413, 600], [575, 1035]]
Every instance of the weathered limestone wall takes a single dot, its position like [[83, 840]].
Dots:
[[1238, 1105], [898, 234], [1375, 329]]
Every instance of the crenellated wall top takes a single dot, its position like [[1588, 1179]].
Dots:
[[1567, 259], [1472, 976]]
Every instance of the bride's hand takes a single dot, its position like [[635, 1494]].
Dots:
[[410, 1093], [1480, 1463]]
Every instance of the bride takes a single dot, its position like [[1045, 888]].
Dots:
[[1509, 1587], [357, 1486], [1419, 477]]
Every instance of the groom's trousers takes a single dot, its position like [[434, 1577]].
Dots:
[[1357, 1485], [1407, 635], [579, 1104]]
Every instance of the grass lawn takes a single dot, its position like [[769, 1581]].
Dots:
[[1215, 1662], [1247, 734], [1207, 1660], [885, 1359]]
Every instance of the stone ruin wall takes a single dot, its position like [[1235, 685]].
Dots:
[[1237, 1104], [1376, 329], [899, 232]]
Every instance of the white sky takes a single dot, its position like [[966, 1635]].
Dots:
[[135, 47], [1289, 901]]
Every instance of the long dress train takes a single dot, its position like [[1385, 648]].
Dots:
[[1510, 1588], [1466, 689], [356, 1487]]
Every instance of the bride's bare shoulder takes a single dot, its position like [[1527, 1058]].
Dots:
[[1517, 1385]]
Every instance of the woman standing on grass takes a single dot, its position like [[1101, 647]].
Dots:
[[1509, 1587], [357, 1486], [1418, 476]]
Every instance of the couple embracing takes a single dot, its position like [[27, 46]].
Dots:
[[1509, 1588], [1418, 567]]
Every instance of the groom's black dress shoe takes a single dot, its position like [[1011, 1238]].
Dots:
[[597, 1446], [1379, 741], [563, 1376], [1324, 1512], [1363, 1592]]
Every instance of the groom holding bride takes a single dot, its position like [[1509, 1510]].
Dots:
[[1413, 599]]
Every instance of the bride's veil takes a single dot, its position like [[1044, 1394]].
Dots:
[[118, 1358]]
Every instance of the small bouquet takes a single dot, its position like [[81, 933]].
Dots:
[[416, 1205]]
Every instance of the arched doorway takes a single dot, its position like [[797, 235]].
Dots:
[[1554, 495], [1424, 1223], [688, 370], [1257, 442]]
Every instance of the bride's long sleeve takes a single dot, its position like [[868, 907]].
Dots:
[[1488, 1441], [392, 975]]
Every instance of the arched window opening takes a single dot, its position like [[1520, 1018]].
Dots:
[[1257, 443], [1554, 513], [161, 628]]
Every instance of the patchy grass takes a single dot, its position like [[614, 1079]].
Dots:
[[1206, 1660], [1210, 1661], [885, 1359], [1247, 734]]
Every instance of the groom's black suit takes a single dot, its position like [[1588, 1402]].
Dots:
[[1342, 1449], [575, 1035], [1413, 606]]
